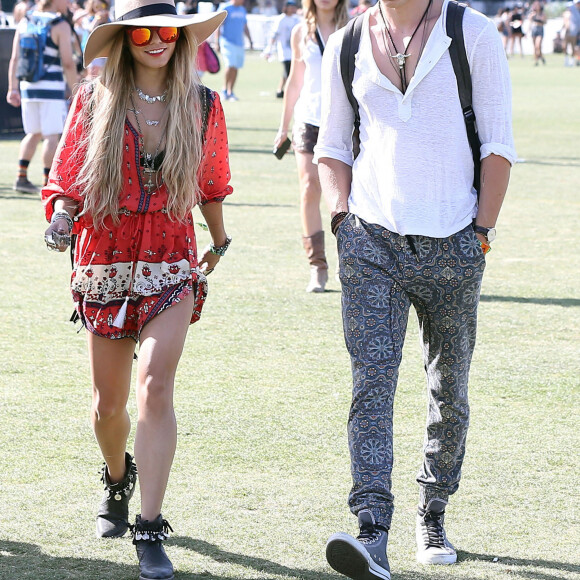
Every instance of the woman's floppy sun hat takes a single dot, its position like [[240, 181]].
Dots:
[[148, 13]]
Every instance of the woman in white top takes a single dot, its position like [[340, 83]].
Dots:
[[302, 99]]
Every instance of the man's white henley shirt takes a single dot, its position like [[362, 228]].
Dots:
[[414, 173]]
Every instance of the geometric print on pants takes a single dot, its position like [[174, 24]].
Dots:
[[382, 273]]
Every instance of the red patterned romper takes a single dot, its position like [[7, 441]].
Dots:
[[126, 274]]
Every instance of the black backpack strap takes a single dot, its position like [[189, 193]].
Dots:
[[348, 50], [454, 26], [319, 41], [57, 20]]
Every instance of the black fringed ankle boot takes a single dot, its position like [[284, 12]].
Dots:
[[113, 514], [148, 537]]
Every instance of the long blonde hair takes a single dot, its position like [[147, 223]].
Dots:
[[101, 176], [309, 8]]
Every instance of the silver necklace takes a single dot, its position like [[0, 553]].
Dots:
[[150, 122], [149, 159], [147, 98]]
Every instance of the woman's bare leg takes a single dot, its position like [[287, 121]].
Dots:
[[162, 342], [310, 193], [111, 362]]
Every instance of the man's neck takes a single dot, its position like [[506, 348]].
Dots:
[[403, 15]]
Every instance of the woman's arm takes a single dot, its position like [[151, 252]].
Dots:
[[293, 85], [213, 178], [213, 215], [60, 225], [62, 193]]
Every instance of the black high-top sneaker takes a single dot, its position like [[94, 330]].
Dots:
[[113, 514], [148, 537], [433, 547], [363, 558]]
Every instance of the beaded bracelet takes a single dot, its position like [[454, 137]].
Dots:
[[337, 220], [220, 250], [485, 247], [64, 215]]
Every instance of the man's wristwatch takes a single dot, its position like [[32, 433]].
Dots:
[[489, 233]]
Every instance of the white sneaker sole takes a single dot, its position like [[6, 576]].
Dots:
[[436, 559], [347, 556]]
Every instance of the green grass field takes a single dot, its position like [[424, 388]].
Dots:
[[262, 471]]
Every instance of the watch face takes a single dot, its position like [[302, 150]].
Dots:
[[491, 235]]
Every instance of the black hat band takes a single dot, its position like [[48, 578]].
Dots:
[[150, 10]]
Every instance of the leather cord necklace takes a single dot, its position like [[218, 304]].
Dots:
[[399, 56]]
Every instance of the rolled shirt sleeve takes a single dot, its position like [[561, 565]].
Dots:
[[492, 95]]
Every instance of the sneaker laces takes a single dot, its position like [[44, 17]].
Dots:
[[435, 533], [369, 534]]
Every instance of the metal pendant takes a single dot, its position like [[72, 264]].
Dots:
[[400, 58], [151, 99], [150, 185]]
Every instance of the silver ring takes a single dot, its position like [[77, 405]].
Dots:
[[50, 242], [54, 240]]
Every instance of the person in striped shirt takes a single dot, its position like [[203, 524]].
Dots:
[[43, 102]]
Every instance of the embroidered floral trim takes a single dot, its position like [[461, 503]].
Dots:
[[104, 283]]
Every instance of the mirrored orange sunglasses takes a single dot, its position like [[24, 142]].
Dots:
[[141, 35]]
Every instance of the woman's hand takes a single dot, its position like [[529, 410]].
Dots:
[[57, 235], [220, 241], [208, 261], [280, 138]]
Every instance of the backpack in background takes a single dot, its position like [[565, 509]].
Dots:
[[30, 65]]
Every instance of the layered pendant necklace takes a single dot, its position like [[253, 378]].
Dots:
[[150, 122], [148, 99], [401, 57], [151, 162]]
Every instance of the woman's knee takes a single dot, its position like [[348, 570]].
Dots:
[[310, 190], [108, 405], [155, 394]]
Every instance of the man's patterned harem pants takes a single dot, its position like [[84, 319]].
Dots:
[[382, 274]]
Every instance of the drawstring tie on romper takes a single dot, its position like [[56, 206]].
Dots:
[[119, 321]]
